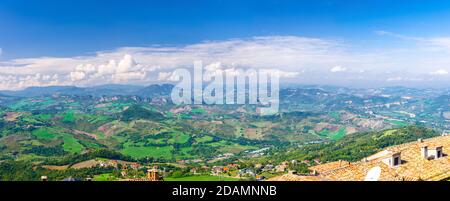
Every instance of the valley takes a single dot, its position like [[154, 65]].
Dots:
[[71, 131]]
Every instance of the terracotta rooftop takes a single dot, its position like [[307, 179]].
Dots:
[[413, 165], [294, 177], [323, 168]]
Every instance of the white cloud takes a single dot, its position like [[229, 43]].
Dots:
[[109, 68], [164, 76], [284, 74], [217, 69], [135, 64], [388, 33], [338, 69], [439, 72], [292, 55], [443, 42], [12, 82], [125, 64], [122, 71], [127, 76], [390, 79], [77, 75], [429, 43], [404, 79], [213, 66]]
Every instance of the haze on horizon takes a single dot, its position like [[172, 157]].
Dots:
[[358, 44]]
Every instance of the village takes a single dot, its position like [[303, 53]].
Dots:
[[424, 159], [182, 169]]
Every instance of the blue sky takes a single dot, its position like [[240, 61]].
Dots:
[[347, 33], [66, 28]]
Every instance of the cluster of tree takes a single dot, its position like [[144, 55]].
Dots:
[[357, 146], [179, 173], [46, 151], [138, 112], [25, 171], [99, 153]]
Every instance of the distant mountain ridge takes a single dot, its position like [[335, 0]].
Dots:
[[101, 90]]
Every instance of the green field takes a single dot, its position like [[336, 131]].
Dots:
[[104, 177], [142, 152], [336, 115], [178, 138], [324, 133], [44, 117], [398, 123], [44, 133], [205, 138], [198, 111], [69, 117], [201, 178], [236, 148], [338, 135], [71, 144]]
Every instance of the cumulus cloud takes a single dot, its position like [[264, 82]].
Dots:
[[297, 58], [106, 69], [164, 76], [338, 69], [78, 71], [216, 69], [140, 65], [125, 64], [126, 69], [77, 75], [13, 82]]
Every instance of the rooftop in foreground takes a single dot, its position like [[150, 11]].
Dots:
[[426, 160]]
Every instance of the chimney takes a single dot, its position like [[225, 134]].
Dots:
[[439, 153], [420, 140], [424, 152], [393, 160]]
